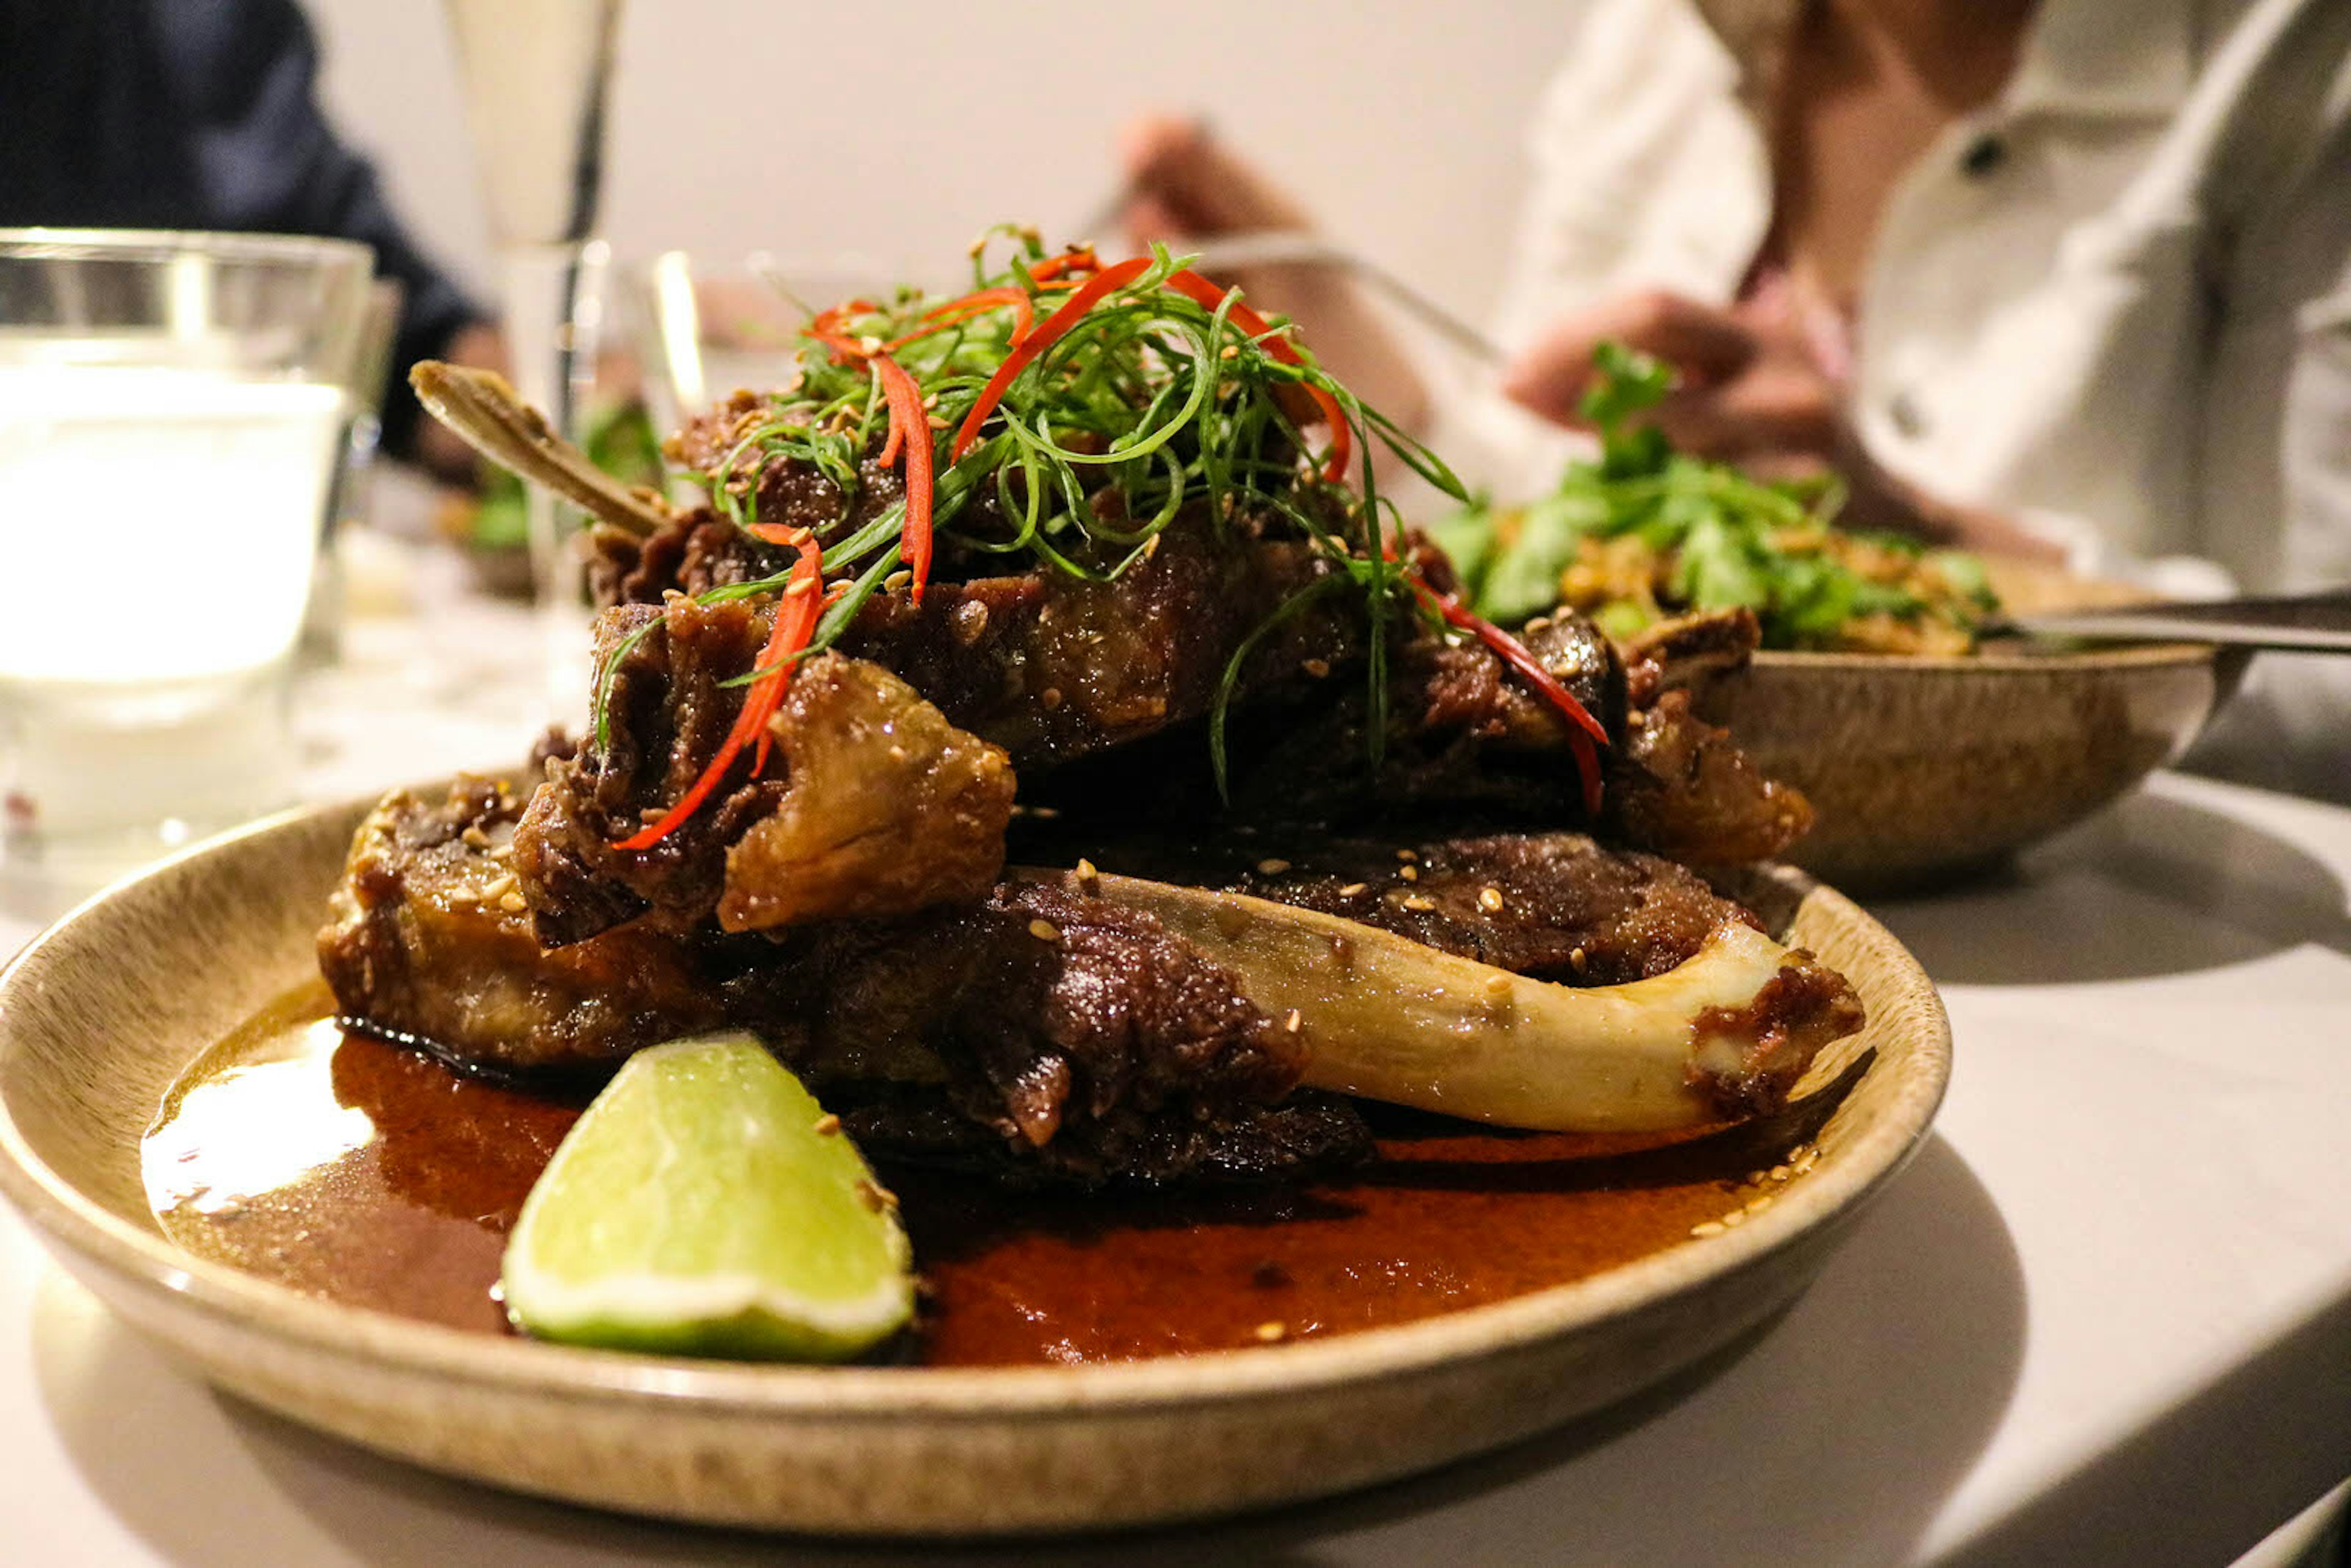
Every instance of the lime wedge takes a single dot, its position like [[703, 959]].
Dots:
[[704, 1205]]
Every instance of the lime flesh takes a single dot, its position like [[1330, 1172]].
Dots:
[[704, 1205]]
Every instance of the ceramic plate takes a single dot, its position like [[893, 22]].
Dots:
[[101, 1014]]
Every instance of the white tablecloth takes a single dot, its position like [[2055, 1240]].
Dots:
[[2105, 1316]]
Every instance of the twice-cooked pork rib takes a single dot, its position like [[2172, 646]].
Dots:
[[1048, 665], [1034, 1032], [428, 936], [887, 807], [882, 806]]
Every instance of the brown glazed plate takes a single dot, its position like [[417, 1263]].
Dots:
[[103, 1014]]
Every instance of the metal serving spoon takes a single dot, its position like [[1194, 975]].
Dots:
[[2316, 623]]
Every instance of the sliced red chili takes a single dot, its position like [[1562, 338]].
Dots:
[[910, 425], [1082, 259], [1583, 728], [1109, 280], [796, 618], [1210, 296]]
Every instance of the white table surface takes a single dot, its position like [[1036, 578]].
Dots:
[[2105, 1317]]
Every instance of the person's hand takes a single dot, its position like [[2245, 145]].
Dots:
[[1748, 389], [1183, 183]]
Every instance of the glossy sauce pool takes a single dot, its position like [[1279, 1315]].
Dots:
[[374, 1175]]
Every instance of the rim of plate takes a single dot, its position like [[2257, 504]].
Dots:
[[1830, 1193]]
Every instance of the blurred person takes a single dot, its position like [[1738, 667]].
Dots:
[[2067, 280], [203, 114]]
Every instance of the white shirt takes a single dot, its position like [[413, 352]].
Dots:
[[2114, 303]]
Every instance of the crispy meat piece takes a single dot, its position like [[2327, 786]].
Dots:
[[887, 807], [1683, 652], [1682, 787], [669, 707], [425, 937]]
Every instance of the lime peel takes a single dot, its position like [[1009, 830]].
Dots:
[[705, 1204]]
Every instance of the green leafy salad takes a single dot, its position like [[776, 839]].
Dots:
[[1644, 533]]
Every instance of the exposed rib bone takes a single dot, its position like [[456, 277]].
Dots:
[[495, 421], [1389, 1018]]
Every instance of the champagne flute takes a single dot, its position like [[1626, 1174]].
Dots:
[[536, 75]]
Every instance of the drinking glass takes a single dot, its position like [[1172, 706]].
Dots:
[[535, 75], [172, 408]]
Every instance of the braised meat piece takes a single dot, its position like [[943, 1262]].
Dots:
[[428, 937], [887, 807], [668, 707], [1035, 1034], [1683, 788], [882, 807], [1083, 1038], [1678, 785], [1048, 665], [1557, 906]]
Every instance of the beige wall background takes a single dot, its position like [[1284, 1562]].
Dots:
[[900, 129]]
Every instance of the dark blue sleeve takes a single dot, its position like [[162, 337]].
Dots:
[[245, 73]]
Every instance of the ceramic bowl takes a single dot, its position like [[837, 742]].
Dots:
[[1928, 770], [99, 1015]]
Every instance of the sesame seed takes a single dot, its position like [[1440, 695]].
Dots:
[[827, 1125], [1318, 668], [474, 836], [512, 904], [1407, 856], [1576, 959], [1231, 351], [1489, 899], [1540, 623], [1735, 1217], [1498, 985], [1706, 1227], [1781, 1173], [1273, 867], [1417, 903], [1044, 931], [1352, 889], [1293, 1022], [1086, 871], [896, 580], [799, 586], [1271, 1332], [1044, 813], [1409, 872], [876, 1198], [504, 885], [1051, 696], [870, 343], [1758, 1205]]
